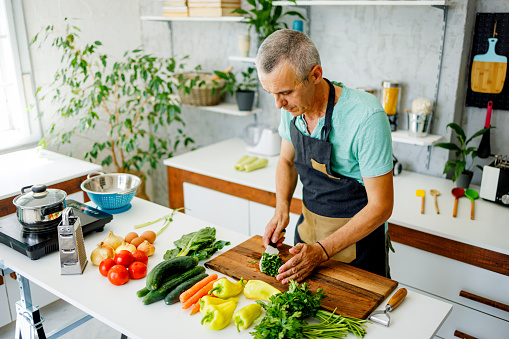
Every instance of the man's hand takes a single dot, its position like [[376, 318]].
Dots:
[[306, 258], [274, 228]]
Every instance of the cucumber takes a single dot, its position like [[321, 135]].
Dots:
[[173, 296], [165, 288], [168, 267], [143, 292]]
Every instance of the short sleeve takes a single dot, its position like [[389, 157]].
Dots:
[[284, 126], [374, 146]]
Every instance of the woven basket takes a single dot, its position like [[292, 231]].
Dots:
[[201, 95]]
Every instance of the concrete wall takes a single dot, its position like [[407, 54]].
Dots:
[[360, 46]]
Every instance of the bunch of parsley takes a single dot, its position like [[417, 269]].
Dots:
[[285, 314]]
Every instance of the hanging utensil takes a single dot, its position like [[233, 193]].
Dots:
[[422, 194], [394, 302], [472, 195], [484, 149], [489, 69], [458, 192], [435, 194]]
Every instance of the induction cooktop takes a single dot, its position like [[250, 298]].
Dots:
[[37, 244]]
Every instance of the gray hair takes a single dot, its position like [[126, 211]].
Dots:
[[288, 45]]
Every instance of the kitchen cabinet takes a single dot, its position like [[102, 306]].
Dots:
[[236, 214], [444, 278]]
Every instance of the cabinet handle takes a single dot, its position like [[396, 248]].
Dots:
[[1, 280], [13, 275], [486, 301], [463, 335]]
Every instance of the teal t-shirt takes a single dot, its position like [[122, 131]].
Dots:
[[360, 136]]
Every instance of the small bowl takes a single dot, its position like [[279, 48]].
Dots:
[[111, 191]]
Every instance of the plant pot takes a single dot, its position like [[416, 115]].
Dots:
[[464, 179], [245, 100]]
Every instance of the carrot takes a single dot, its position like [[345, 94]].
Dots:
[[196, 287], [195, 309], [203, 291]]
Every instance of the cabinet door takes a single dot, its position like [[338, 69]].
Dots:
[[217, 208], [40, 297], [260, 215], [446, 278], [5, 312]]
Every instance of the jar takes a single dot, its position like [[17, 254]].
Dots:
[[390, 96]]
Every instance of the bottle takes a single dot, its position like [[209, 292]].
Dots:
[[298, 25]]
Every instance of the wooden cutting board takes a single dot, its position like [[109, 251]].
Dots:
[[354, 292]]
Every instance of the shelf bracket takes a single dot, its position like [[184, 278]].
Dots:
[[28, 319], [428, 157], [171, 39]]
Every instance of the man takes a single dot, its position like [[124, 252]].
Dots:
[[338, 140]]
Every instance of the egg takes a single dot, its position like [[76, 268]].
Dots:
[[137, 241], [130, 236], [149, 236]]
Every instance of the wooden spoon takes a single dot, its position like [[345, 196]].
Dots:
[[435, 194], [458, 192], [472, 195]]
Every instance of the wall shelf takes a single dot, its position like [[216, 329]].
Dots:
[[193, 18], [227, 108], [242, 59], [362, 3], [404, 138]]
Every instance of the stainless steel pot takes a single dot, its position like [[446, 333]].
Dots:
[[39, 207]]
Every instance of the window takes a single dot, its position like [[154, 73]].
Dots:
[[19, 124]]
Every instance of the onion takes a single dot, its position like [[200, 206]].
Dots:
[[147, 247], [100, 253], [113, 240], [126, 246]]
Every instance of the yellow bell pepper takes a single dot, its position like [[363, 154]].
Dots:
[[219, 316], [258, 289], [224, 288], [210, 300], [244, 317]]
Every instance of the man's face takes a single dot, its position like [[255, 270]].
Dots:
[[288, 91]]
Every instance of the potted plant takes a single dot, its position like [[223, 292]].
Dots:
[[265, 17], [461, 172], [244, 90], [119, 110]]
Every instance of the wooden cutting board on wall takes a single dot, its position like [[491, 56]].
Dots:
[[354, 292]]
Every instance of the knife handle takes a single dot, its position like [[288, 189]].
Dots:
[[283, 232], [397, 298]]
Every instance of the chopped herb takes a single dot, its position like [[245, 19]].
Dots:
[[254, 261], [270, 264]]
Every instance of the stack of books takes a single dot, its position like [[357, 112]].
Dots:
[[213, 8], [175, 8]]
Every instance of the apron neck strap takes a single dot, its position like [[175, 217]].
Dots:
[[328, 113]]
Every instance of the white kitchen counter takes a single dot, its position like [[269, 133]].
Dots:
[[418, 316], [489, 230], [32, 166]]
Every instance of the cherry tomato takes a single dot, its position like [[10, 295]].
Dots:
[[137, 270], [118, 275], [105, 266], [140, 256], [124, 258]]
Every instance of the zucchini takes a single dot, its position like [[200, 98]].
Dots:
[[162, 291], [173, 297], [143, 292], [168, 267]]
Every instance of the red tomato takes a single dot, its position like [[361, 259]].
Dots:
[[118, 275], [137, 270], [105, 266], [140, 256], [124, 258]]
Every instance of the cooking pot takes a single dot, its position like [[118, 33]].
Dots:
[[39, 207]]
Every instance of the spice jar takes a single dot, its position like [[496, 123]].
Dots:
[[390, 95]]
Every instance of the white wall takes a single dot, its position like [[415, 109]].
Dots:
[[360, 46]]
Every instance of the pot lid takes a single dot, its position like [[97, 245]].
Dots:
[[37, 196]]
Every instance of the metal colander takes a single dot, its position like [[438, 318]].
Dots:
[[111, 191]]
